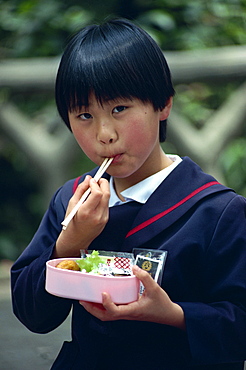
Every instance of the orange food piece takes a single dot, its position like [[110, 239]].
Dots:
[[68, 265]]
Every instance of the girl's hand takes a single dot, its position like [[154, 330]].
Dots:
[[153, 306], [88, 222]]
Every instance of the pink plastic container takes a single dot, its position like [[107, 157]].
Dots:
[[87, 287]]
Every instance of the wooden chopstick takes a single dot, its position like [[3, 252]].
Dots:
[[98, 175]]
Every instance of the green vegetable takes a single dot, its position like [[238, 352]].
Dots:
[[91, 262]]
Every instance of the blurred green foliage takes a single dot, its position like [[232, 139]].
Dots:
[[31, 28], [40, 28]]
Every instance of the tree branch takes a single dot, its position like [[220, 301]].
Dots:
[[186, 66], [50, 155], [205, 145]]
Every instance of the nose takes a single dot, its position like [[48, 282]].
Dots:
[[107, 134]]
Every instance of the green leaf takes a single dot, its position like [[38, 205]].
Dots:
[[91, 262]]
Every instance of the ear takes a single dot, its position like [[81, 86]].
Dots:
[[164, 113]]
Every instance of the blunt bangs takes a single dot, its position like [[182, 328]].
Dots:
[[114, 60]]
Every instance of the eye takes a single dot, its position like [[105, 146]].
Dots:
[[119, 109], [85, 116]]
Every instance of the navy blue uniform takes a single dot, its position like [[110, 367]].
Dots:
[[202, 226]]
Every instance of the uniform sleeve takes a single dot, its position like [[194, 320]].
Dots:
[[216, 328], [38, 310]]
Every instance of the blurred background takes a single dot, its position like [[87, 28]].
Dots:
[[205, 45]]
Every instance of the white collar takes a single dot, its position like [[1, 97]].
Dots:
[[141, 191]]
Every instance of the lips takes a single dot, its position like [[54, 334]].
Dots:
[[116, 158]]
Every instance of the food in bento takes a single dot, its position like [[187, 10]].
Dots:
[[107, 263], [93, 263], [68, 265]]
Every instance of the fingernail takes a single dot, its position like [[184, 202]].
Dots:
[[136, 268]]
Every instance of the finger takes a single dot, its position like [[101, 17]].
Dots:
[[83, 185], [99, 195], [95, 195], [144, 276], [98, 310], [119, 312], [97, 189], [104, 186], [81, 188], [78, 194], [92, 307], [108, 304]]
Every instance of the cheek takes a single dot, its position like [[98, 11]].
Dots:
[[84, 140], [142, 133]]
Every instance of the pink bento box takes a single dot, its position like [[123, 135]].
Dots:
[[87, 287]]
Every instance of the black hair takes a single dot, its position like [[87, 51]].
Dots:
[[116, 59]]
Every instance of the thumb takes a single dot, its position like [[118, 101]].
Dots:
[[144, 277]]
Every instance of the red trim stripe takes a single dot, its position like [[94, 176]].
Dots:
[[75, 184], [164, 213]]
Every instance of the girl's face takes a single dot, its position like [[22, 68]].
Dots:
[[127, 130]]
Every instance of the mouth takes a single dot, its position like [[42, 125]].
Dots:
[[116, 157]]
